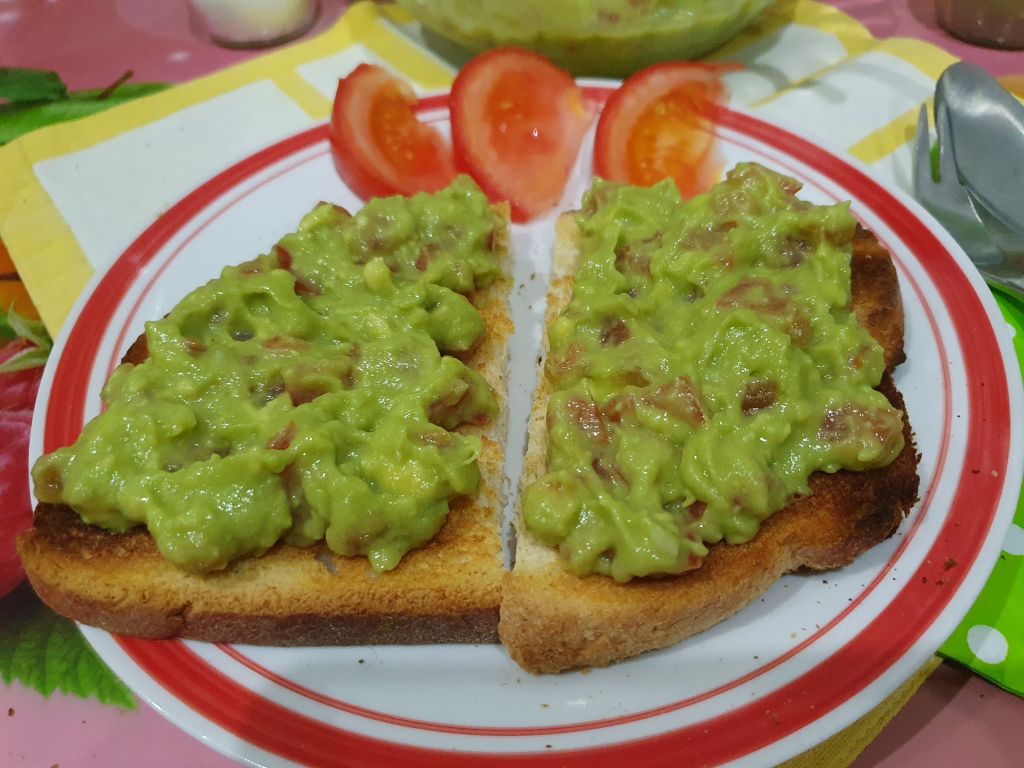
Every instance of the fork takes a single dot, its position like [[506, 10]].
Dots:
[[951, 204]]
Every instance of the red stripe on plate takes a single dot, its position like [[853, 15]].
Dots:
[[430, 103]]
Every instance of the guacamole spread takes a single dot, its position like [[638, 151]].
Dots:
[[588, 37], [311, 394], [707, 364]]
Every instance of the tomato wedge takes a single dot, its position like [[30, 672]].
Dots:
[[517, 124], [659, 125], [378, 145]]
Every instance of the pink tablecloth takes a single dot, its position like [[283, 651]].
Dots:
[[92, 44], [916, 18], [955, 719]]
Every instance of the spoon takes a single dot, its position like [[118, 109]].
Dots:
[[1006, 269], [987, 130]]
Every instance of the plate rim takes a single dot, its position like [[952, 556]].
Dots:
[[989, 549]]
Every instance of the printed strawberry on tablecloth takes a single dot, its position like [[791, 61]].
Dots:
[[39, 649]]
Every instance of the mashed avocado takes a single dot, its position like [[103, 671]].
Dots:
[[590, 37], [307, 395], [707, 364]]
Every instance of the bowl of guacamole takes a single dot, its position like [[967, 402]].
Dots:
[[611, 38]]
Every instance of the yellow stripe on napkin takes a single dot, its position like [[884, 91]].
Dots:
[[49, 257], [900, 132], [49, 260], [854, 36]]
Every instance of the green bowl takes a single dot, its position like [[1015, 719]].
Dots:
[[588, 37]]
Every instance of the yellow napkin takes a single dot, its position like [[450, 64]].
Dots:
[[74, 196]]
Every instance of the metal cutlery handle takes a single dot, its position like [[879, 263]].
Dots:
[[986, 127]]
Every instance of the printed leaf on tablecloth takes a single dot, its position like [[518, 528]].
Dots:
[[18, 85], [47, 653], [37, 99]]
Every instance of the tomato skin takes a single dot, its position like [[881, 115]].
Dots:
[[379, 146], [517, 125], [658, 125]]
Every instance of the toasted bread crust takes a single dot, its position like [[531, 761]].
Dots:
[[876, 296], [552, 620], [446, 592], [289, 596]]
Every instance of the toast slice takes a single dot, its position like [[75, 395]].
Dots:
[[552, 620], [445, 592]]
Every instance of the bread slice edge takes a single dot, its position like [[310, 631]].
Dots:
[[448, 591], [552, 621]]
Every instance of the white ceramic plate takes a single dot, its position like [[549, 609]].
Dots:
[[793, 668]]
